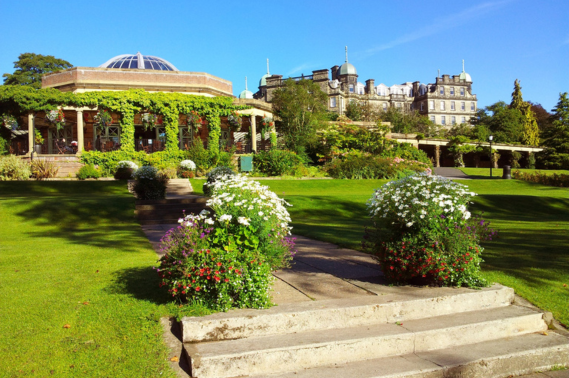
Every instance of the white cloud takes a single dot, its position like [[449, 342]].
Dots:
[[440, 24]]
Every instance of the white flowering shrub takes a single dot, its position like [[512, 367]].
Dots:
[[149, 184], [188, 164], [213, 175], [225, 259], [423, 231], [127, 164]]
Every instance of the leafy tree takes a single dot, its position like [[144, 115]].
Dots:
[[408, 122], [503, 122], [543, 117], [301, 106], [31, 67], [458, 148], [530, 133], [354, 111], [556, 155]]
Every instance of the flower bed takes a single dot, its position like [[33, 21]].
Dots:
[[225, 260], [424, 233], [543, 178]]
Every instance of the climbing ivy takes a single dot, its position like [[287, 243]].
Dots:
[[20, 100]]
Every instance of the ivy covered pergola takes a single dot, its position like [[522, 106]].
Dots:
[[173, 113]]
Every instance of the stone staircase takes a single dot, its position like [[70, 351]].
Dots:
[[179, 199], [414, 332]]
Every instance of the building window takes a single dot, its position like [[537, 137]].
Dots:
[[442, 90], [333, 102], [399, 105], [385, 106], [361, 91], [442, 105], [432, 105], [472, 106], [443, 120], [452, 105], [452, 91], [422, 106], [453, 120], [463, 106], [462, 91], [351, 88], [433, 119], [463, 120]]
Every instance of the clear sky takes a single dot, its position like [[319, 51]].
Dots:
[[389, 41]]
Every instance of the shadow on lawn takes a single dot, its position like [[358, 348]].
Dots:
[[100, 214], [140, 283]]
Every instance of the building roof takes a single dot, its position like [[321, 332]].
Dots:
[[139, 61], [347, 69], [246, 94], [464, 75]]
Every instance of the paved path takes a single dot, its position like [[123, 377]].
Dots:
[[451, 173]]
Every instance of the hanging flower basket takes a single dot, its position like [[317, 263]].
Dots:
[[234, 120], [148, 120], [194, 120], [9, 122], [56, 118], [266, 126], [102, 119]]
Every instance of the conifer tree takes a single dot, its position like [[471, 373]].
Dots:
[[557, 139], [530, 134]]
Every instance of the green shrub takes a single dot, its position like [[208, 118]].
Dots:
[[543, 178], [88, 171], [4, 146], [149, 184], [14, 168], [276, 162], [355, 165], [43, 169], [423, 232], [200, 156], [406, 151], [169, 172]]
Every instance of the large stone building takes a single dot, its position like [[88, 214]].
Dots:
[[446, 102]]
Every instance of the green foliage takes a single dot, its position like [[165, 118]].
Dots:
[[405, 151], [337, 139], [301, 106], [88, 171], [149, 184], [408, 122], [31, 67], [123, 173], [38, 138], [506, 124], [357, 165], [543, 178], [354, 111], [556, 156], [423, 232], [4, 146], [43, 169], [458, 148], [276, 162], [14, 168], [530, 134]]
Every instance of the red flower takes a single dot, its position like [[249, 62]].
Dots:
[[197, 288]]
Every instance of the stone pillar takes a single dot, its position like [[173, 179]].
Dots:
[[30, 134], [437, 156], [254, 133], [80, 138]]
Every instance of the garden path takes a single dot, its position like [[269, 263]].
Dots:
[[451, 173]]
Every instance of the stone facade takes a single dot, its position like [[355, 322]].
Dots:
[[446, 102]]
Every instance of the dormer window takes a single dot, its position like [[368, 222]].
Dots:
[[442, 90]]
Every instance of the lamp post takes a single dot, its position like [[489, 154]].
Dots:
[[491, 155]]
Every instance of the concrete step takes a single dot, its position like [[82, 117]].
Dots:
[[509, 357], [188, 200], [413, 303], [309, 349], [158, 221]]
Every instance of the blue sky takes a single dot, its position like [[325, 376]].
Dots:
[[389, 41]]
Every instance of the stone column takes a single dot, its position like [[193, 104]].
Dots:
[[254, 133], [30, 134], [437, 156], [80, 138]]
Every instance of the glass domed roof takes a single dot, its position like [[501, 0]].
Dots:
[[139, 61]]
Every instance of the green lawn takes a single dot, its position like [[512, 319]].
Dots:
[[497, 172], [531, 254], [71, 253]]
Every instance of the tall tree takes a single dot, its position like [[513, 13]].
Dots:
[[557, 138], [31, 67], [530, 133], [502, 121], [301, 106]]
